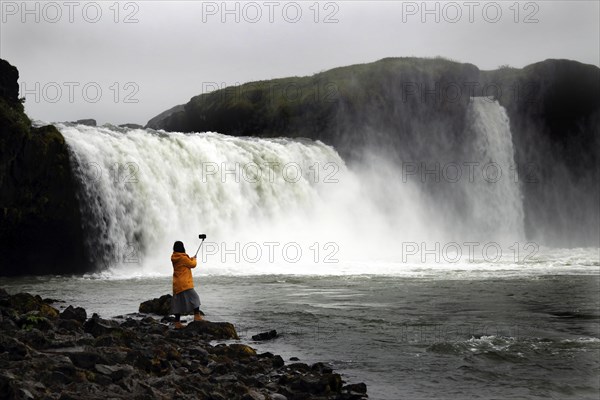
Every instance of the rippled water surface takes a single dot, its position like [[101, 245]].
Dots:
[[454, 336]]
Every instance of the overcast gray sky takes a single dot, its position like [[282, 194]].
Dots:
[[128, 61]]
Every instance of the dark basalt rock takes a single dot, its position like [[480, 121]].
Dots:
[[86, 359], [356, 387], [235, 350], [98, 326], [134, 360], [216, 330], [78, 314], [265, 335], [159, 306], [38, 201], [24, 303]]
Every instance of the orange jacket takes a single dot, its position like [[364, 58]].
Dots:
[[182, 273]]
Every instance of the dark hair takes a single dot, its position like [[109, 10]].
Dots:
[[178, 247]]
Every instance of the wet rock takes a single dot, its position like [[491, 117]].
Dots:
[[265, 335], [309, 385], [300, 367], [130, 323], [149, 321], [69, 326], [235, 350], [159, 306], [86, 359], [253, 395], [65, 366], [158, 329], [226, 378], [217, 396], [15, 349], [50, 300], [7, 325], [141, 358], [34, 338], [198, 353], [78, 314], [213, 330], [60, 378], [25, 394], [114, 355], [116, 372], [334, 381], [358, 388], [23, 303], [97, 326], [278, 361], [321, 368]]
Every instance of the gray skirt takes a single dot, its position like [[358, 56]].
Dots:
[[185, 302]]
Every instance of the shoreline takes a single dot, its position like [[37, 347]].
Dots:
[[47, 353]]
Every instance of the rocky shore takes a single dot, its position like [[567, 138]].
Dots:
[[50, 354]]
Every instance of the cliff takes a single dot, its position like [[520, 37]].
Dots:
[[412, 109], [40, 223]]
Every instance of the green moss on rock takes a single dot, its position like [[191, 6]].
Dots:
[[40, 222]]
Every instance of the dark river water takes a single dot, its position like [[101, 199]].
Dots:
[[466, 337]]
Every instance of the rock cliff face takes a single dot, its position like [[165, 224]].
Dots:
[[410, 109], [40, 223], [156, 122], [554, 111]]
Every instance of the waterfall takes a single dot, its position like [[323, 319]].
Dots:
[[262, 201], [493, 196]]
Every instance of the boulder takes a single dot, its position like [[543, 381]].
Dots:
[[265, 335], [214, 330], [236, 351], [321, 368], [76, 313], [278, 361], [360, 388], [159, 306], [24, 303], [98, 326]]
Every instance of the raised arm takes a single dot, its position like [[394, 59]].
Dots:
[[190, 262]]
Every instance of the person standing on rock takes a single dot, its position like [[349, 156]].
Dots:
[[185, 298]]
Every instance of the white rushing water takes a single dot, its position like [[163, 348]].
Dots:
[[496, 202], [280, 205]]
